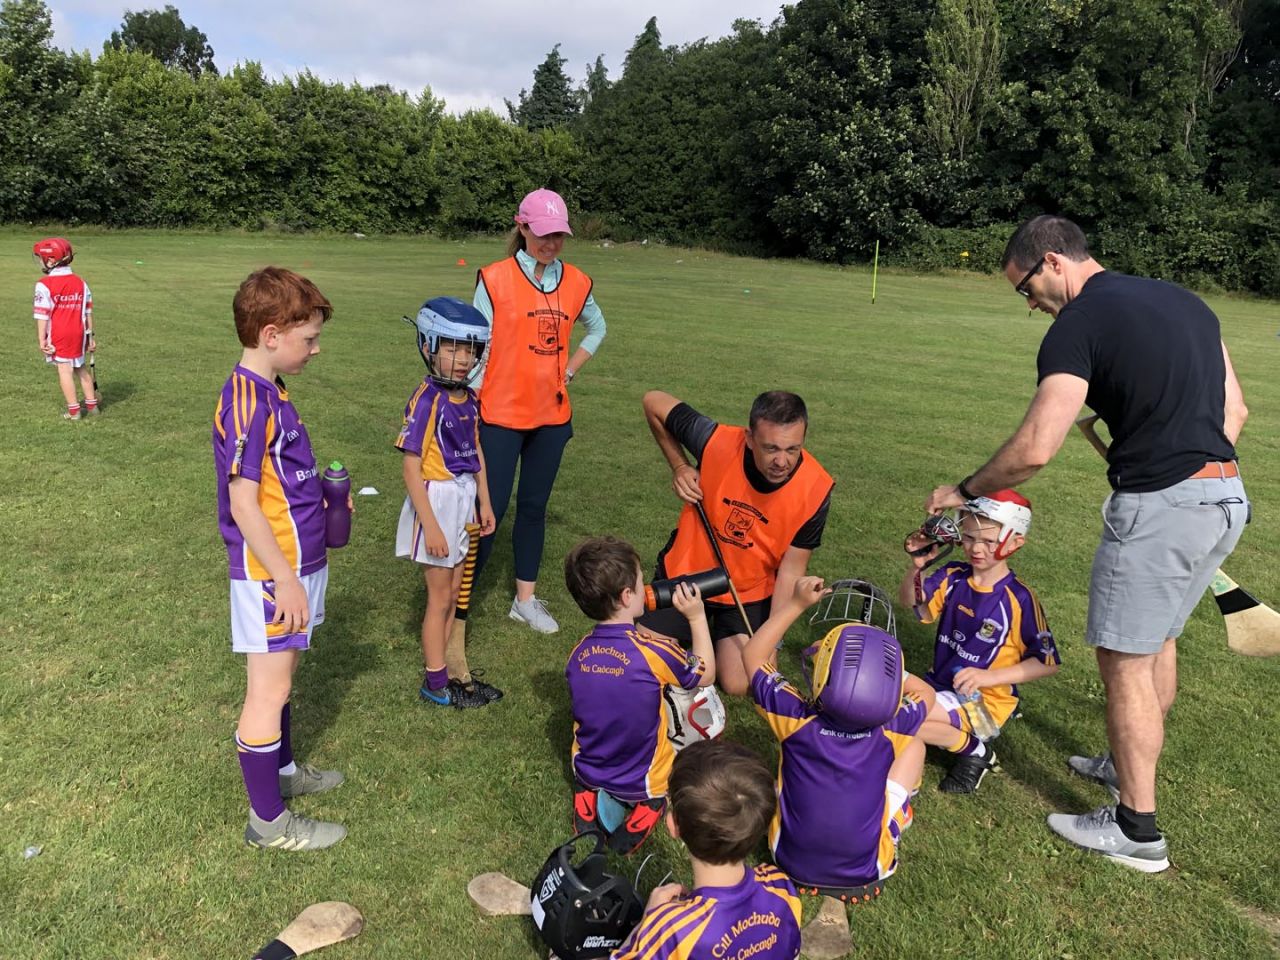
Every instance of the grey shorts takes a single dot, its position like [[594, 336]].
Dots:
[[1159, 550]]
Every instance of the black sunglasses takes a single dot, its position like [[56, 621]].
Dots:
[[1021, 286]]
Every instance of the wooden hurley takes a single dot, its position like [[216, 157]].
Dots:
[[827, 936], [317, 926], [497, 895], [1253, 628]]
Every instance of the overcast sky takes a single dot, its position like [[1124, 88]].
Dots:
[[472, 53]]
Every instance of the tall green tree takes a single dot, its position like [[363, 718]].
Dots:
[[164, 35], [965, 48], [552, 101], [840, 126]]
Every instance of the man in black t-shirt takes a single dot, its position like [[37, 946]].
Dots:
[[1148, 358], [766, 500]]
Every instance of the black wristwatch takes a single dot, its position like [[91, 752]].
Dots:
[[963, 489]]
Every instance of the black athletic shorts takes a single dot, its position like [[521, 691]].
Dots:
[[724, 621]]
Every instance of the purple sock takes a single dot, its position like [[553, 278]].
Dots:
[[261, 770], [438, 679], [972, 746], [286, 743]]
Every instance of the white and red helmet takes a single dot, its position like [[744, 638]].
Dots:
[[1008, 508], [52, 252]]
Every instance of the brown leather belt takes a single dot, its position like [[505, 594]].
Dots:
[[1214, 469]]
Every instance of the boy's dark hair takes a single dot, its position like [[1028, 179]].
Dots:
[[780, 407], [1045, 234], [596, 572], [275, 296], [722, 798]]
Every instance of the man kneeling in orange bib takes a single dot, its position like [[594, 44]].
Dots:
[[766, 501]]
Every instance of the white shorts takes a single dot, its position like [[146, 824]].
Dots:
[[253, 607], [453, 503], [76, 362]]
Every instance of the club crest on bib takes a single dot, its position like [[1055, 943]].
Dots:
[[738, 525], [988, 630], [548, 335]]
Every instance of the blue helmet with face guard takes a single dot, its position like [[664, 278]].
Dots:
[[450, 320]]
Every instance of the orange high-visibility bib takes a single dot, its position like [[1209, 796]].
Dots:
[[529, 349], [754, 529]]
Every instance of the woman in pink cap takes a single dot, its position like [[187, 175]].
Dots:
[[532, 300]]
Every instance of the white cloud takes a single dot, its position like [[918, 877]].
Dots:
[[471, 54]]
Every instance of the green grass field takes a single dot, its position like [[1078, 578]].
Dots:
[[119, 694]]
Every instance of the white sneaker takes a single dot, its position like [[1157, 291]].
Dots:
[[1099, 769], [1099, 832], [533, 612]]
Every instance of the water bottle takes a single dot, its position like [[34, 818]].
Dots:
[[981, 722], [337, 517], [661, 593]]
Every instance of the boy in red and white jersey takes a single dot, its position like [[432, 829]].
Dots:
[[63, 310], [64, 323]]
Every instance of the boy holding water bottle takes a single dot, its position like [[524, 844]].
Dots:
[[271, 512], [992, 634]]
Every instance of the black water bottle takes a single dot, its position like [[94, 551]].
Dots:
[[659, 594]]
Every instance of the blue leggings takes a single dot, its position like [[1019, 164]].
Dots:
[[538, 451]]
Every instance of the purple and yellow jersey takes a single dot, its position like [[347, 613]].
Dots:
[[983, 627], [616, 674], [832, 824], [257, 435], [443, 431], [758, 917]]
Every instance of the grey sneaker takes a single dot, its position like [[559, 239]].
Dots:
[[68, 415], [1099, 832], [291, 832], [307, 779], [533, 612], [1099, 770]]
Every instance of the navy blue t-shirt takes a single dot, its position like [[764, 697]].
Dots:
[[1152, 354]]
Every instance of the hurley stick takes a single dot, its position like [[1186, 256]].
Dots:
[[1253, 628], [455, 652], [715, 548], [317, 926], [827, 936]]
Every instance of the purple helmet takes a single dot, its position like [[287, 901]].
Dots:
[[857, 677]]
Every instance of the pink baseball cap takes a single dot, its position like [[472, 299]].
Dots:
[[544, 212]]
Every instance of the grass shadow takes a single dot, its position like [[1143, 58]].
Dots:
[[326, 680], [550, 687], [113, 393]]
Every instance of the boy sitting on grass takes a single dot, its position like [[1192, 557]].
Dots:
[[849, 756], [992, 634], [721, 803], [616, 674]]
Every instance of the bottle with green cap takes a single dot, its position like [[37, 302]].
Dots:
[[337, 516]]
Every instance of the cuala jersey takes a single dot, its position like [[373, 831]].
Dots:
[[64, 300], [258, 435]]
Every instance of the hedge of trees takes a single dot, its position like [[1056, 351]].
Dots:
[[930, 125]]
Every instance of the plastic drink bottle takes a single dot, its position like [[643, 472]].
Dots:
[[984, 725], [337, 516]]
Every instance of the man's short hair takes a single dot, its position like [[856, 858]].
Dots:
[[596, 572], [275, 296], [780, 407], [1045, 234], [722, 798]]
